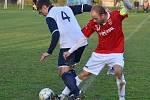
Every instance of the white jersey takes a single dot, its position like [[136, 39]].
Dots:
[[70, 31]]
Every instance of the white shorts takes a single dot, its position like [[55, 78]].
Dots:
[[97, 62]]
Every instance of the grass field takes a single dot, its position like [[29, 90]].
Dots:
[[24, 35]]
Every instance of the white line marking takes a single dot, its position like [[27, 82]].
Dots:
[[138, 27]]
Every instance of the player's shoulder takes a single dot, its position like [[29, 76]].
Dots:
[[56, 9], [61, 7], [114, 12], [51, 12]]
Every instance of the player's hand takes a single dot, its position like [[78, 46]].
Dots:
[[44, 55], [66, 55]]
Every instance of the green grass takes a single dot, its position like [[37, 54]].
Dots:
[[24, 36]]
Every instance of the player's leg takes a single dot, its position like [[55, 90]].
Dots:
[[93, 66], [70, 82], [82, 76], [65, 71], [61, 72], [77, 56], [120, 80], [67, 91], [117, 62]]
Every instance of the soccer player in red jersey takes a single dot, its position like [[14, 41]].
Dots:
[[110, 48]]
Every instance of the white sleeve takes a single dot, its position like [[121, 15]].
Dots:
[[80, 43]]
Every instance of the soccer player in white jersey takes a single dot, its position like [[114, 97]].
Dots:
[[64, 28], [110, 48]]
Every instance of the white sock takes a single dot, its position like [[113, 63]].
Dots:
[[78, 81], [121, 91], [66, 91]]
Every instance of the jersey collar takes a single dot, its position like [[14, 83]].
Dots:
[[108, 16], [50, 8]]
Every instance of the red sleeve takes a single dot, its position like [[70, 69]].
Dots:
[[89, 29], [117, 13]]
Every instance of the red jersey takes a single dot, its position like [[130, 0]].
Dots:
[[110, 35]]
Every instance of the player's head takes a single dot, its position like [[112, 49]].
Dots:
[[99, 14], [42, 6]]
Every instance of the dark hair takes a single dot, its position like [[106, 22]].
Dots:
[[40, 3], [99, 9]]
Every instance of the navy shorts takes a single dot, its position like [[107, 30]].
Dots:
[[72, 59]]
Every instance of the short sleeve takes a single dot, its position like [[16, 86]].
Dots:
[[52, 25]]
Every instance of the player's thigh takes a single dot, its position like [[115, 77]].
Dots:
[[116, 61], [61, 60], [64, 65], [118, 69], [62, 70], [95, 64]]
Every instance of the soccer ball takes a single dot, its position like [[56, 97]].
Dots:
[[46, 94]]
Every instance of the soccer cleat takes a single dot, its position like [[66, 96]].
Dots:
[[71, 97], [81, 96], [61, 96], [56, 97]]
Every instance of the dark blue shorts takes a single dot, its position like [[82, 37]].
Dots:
[[72, 59]]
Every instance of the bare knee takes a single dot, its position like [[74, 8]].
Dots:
[[84, 75], [62, 70], [118, 70]]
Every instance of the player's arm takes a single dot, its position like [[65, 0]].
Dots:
[[79, 44], [52, 25], [78, 9], [87, 31]]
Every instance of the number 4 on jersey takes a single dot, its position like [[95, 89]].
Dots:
[[65, 16]]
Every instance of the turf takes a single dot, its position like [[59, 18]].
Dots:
[[24, 35]]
